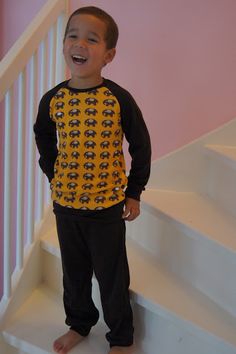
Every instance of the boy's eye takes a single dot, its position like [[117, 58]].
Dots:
[[92, 40], [72, 36]]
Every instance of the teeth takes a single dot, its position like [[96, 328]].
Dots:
[[79, 58]]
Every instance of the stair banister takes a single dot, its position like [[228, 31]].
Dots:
[[33, 65]]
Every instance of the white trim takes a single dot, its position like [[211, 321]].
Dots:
[[31, 151], [20, 164], [7, 193]]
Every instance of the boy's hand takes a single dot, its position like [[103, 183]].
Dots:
[[132, 209]]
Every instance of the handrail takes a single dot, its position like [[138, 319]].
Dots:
[[14, 61]]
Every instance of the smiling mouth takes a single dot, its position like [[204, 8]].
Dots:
[[79, 59]]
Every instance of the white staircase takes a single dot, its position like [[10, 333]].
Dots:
[[182, 255]]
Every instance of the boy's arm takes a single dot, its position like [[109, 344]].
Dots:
[[46, 138], [138, 138]]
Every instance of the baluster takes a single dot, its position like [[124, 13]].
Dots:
[[42, 81], [31, 154], [51, 78], [7, 193], [60, 64], [52, 57], [20, 169]]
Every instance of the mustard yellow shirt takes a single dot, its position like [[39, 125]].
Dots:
[[79, 134]]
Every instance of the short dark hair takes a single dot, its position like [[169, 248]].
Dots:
[[112, 32]]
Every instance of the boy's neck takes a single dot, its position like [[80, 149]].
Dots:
[[85, 84]]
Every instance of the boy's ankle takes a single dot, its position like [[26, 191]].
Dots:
[[122, 350]]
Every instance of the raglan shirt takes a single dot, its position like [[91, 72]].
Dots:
[[79, 135]]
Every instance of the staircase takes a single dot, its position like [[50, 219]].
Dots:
[[181, 250], [182, 255]]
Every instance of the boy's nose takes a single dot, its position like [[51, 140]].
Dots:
[[81, 43]]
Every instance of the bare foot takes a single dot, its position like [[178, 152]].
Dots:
[[122, 350], [66, 342]]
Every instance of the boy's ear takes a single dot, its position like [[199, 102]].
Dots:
[[110, 54]]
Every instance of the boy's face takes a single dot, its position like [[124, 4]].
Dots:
[[85, 50]]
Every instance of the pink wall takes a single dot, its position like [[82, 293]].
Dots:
[[178, 58], [14, 18]]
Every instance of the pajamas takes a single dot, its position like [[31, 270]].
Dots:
[[95, 241]]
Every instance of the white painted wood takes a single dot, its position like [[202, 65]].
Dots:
[[34, 331], [185, 170], [51, 59], [52, 56], [221, 175], [7, 193], [226, 153], [20, 169], [42, 88], [31, 151], [177, 301], [192, 237], [23, 281], [60, 63], [6, 348], [155, 334], [52, 272], [196, 212]]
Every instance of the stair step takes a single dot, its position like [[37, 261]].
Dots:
[[175, 299], [194, 212], [223, 152], [163, 293], [40, 321]]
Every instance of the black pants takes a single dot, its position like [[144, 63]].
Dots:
[[95, 241]]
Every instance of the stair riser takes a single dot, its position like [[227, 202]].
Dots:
[[156, 334], [178, 172], [221, 180], [200, 262], [52, 272], [186, 169], [7, 349]]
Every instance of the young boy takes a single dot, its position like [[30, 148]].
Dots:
[[91, 194]]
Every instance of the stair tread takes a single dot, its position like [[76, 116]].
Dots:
[[175, 299], [40, 321], [197, 212], [169, 296], [226, 151]]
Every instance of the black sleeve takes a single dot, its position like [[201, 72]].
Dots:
[[138, 138], [137, 135], [46, 137]]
